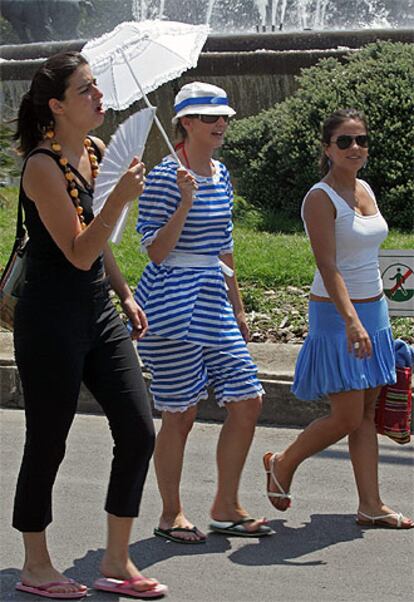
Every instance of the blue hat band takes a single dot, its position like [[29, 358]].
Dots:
[[201, 100]]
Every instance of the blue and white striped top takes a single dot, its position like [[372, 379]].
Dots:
[[208, 227], [188, 303]]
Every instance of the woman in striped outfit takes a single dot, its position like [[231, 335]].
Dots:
[[197, 327]]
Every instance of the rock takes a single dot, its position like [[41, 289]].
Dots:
[[294, 289], [256, 337], [283, 322]]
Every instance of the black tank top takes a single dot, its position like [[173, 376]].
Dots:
[[42, 249]]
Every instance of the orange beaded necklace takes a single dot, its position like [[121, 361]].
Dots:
[[69, 175]]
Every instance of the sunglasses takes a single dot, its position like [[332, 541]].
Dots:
[[212, 118], [345, 141]]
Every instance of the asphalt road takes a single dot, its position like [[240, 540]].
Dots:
[[316, 554]]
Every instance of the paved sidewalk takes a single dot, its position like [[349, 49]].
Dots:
[[317, 554]]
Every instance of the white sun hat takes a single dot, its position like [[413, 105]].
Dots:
[[199, 98]]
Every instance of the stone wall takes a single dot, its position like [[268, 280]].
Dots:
[[257, 71]]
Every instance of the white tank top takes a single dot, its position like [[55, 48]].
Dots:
[[358, 238]]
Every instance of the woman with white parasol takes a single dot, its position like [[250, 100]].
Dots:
[[76, 334], [197, 329]]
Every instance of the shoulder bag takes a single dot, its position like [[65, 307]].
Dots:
[[394, 406], [14, 275]]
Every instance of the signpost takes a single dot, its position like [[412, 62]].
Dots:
[[397, 272]]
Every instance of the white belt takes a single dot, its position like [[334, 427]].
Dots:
[[195, 260]]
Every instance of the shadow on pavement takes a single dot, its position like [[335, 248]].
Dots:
[[384, 458], [285, 547], [8, 579], [144, 553], [288, 544]]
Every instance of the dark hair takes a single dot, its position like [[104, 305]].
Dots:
[[330, 125], [180, 133], [49, 81]]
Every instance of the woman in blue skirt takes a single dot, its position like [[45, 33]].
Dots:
[[348, 354]]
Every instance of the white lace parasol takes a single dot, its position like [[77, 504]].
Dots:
[[136, 58]]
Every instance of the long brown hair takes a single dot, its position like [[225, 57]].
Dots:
[[49, 81]]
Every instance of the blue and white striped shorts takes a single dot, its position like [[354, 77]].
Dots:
[[181, 372]]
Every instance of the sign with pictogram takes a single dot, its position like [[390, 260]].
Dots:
[[397, 272]]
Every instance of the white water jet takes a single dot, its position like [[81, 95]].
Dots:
[[209, 10], [282, 13], [274, 11], [139, 10], [323, 11], [302, 14], [319, 17], [261, 7]]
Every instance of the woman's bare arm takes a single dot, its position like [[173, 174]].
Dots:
[[46, 186]]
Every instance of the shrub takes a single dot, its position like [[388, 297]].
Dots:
[[274, 155], [9, 161]]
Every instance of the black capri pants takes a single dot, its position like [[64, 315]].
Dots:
[[72, 334]]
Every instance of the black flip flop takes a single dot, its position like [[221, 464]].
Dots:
[[167, 534]]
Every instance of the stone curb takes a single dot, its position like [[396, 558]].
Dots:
[[276, 368], [275, 363]]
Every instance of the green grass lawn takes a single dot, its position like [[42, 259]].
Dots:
[[8, 215], [264, 259], [274, 269]]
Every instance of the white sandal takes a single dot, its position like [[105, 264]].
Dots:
[[282, 494], [378, 521]]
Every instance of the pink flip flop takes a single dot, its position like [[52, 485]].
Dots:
[[118, 586], [43, 590]]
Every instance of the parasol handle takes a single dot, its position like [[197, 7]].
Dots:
[[149, 105], [164, 134]]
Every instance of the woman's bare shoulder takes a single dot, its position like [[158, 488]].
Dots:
[[317, 198], [39, 162], [99, 143]]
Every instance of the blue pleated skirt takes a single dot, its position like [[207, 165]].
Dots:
[[325, 365]]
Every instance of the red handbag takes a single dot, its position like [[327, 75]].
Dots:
[[393, 410]]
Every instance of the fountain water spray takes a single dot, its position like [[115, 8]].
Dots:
[[320, 14], [273, 15], [306, 10], [139, 9], [274, 7], [282, 14], [162, 6], [210, 7], [262, 8]]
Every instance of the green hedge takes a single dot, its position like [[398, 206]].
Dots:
[[9, 164], [274, 155]]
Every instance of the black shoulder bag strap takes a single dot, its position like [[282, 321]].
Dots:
[[20, 229]]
